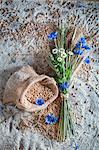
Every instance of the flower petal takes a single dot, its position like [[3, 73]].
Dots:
[[55, 51], [1, 108], [87, 47], [59, 59], [40, 101], [78, 45], [53, 35], [87, 60], [63, 86], [83, 40], [78, 52], [51, 119], [61, 50], [63, 55]]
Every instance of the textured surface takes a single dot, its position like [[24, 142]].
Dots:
[[23, 40]]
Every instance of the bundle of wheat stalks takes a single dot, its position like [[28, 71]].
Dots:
[[69, 48]]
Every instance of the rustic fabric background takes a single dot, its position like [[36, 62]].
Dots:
[[24, 25]]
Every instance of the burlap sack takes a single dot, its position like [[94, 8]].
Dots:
[[19, 84]]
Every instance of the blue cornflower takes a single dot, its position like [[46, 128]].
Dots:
[[53, 35], [87, 60], [78, 45], [40, 101], [51, 119], [86, 47], [63, 86], [83, 45], [78, 52], [83, 40], [1, 108], [77, 147]]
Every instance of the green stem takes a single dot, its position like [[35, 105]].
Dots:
[[56, 45], [64, 72]]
